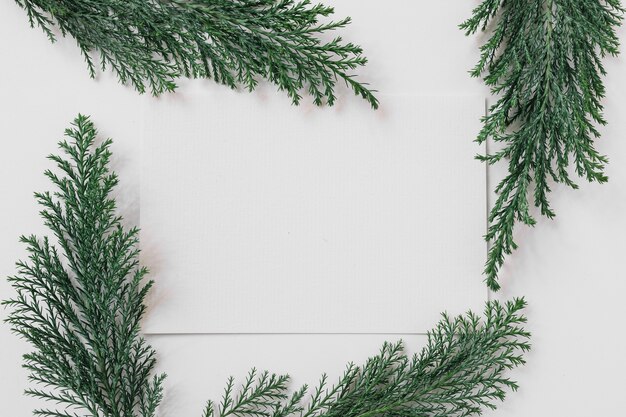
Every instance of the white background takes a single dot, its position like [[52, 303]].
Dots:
[[570, 269]]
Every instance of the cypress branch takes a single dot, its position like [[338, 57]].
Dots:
[[460, 372], [79, 305], [151, 43], [543, 61]]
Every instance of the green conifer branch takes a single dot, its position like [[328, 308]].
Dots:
[[459, 373], [151, 43], [79, 304], [543, 61]]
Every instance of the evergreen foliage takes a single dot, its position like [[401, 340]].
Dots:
[[543, 61], [151, 43], [80, 304], [458, 373]]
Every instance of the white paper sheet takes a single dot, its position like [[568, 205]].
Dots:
[[258, 217]]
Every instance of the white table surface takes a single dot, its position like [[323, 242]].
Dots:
[[570, 269]]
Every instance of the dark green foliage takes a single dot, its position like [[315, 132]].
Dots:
[[151, 43], [543, 61], [458, 373], [79, 304]]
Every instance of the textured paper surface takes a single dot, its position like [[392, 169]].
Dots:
[[258, 217]]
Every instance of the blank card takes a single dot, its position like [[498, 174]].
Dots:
[[261, 217]]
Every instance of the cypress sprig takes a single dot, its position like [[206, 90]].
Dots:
[[459, 373], [543, 61], [151, 43], [79, 302]]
